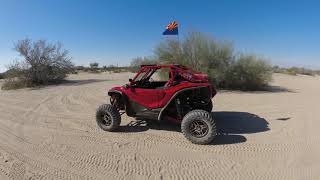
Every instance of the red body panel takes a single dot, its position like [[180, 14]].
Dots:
[[155, 98], [171, 91]]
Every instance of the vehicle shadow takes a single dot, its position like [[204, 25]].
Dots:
[[140, 125], [224, 139], [230, 124], [134, 126]]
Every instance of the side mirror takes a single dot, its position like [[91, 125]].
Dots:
[[130, 80]]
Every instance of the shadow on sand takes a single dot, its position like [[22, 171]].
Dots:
[[267, 89], [231, 122], [230, 126], [277, 89], [69, 83], [81, 82]]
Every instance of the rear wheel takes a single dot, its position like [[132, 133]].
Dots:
[[108, 117], [198, 126]]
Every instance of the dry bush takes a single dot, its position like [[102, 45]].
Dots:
[[13, 84], [42, 63]]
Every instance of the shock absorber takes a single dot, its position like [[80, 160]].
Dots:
[[179, 108]]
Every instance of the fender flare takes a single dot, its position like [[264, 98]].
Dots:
[[174, 96], [110, 92], [124, 97]]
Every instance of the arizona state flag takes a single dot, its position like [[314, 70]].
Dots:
[[171, 29]]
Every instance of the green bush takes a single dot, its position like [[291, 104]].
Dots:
[[248, 73], [295, 71], [216, 58]]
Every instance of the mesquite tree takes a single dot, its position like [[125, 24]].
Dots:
[[41, 62]]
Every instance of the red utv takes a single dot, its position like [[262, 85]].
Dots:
[[164, 92]]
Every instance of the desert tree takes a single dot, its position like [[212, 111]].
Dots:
[[94, 67], [41, 63]]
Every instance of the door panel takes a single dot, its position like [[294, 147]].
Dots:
[[146, 97]]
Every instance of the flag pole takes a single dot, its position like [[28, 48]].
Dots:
[[178, 36]]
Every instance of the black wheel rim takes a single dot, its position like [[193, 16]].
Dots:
[[106, 119], [198, 128]]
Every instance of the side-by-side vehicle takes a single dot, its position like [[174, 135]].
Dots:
[[164, 92]]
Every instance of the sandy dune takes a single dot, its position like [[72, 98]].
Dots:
[[50, 133]]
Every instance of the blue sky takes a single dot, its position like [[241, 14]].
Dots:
[[111, 32]]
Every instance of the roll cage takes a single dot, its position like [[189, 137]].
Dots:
[[176, 72]]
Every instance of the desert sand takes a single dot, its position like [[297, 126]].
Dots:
[[51, 133]]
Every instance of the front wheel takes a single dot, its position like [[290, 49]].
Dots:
[[108, 117], [199, 127]]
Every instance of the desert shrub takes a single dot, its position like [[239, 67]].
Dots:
[[112, 68], [94, 67], [80, 68], [216, 58], [293, 71], [306, 71], [2, 75], [125, 69], [317, 72], [42, 63], [199, 51], [248, 72], [73, 71], [138, 61], [296, 71], [277, 69], [104, 69], [14, 84]]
